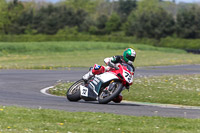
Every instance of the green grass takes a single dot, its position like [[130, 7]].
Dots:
[[180, 89], [49, 55], [23, 120]]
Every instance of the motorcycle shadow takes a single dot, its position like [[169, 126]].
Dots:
[[110, 103]]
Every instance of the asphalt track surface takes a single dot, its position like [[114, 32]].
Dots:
[[22, 88]]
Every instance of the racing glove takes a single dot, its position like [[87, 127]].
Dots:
[[113, 65]]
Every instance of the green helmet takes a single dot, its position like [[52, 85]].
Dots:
[[129, 55]]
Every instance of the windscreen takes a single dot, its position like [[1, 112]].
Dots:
[[128, 67]]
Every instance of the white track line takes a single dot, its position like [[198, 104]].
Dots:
[[44, 91], [163, 105]]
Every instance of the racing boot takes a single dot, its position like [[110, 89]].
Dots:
[[88, 75]]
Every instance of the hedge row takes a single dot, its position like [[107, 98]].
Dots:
[[180, 43], [77, 37], [164, 42]]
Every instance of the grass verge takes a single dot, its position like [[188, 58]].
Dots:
[[180, 89], [50, 55], [15, 120]]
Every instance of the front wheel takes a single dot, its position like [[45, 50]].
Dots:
[[110, 92], [73, 93]]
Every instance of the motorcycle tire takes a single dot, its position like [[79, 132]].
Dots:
[[117, 91], [73, 93]]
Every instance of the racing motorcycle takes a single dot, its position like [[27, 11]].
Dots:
[[103, 87]]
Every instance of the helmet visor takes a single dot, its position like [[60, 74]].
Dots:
[[129, 57]]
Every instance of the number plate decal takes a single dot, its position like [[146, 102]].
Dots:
[[84, 91], [128, 77]]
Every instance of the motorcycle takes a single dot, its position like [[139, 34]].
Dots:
[[103, 87]]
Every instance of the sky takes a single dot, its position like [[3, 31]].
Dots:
[[188, 1], [177, 1]]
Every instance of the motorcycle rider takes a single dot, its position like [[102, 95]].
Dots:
[[128, 57]]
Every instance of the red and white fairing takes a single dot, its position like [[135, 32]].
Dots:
[[113, 74]]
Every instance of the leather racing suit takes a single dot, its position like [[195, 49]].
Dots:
[[110, 62]]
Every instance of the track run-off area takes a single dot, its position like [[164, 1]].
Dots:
[[22, 88]]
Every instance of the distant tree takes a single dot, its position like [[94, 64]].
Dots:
[[94, 30], [48, 20], [15, 2], [3, 16], [125, 7], [188, 23], [87, 5], [150, 20], [98, 27], [113, 23], [68, 31], [101, 21], [22, 22], [105, 25], [86, 24], [105, 7], [15, 10], [79, 18]]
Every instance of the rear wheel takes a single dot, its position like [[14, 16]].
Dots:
[[73, 93], [110, 92]]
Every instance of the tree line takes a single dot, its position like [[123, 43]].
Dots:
[[142, 19]]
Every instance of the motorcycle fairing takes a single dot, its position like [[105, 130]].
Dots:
[[87, 94], [107, 77], [127, 76], [91, 91]]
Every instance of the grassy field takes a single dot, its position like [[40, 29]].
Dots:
[[50, 55], [180, 89], [22, 120]]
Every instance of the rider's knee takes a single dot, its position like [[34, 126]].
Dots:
[[118, 99]]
